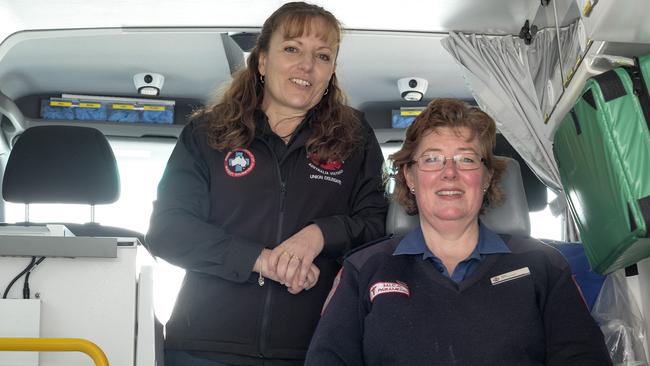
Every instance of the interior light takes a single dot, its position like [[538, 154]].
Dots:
[[412, 96], [148, 83], [149, 90]]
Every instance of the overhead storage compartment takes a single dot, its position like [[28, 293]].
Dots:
[[608, 36]]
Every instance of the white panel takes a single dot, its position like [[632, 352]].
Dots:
[[440, 15], [105, 61], [19, 318], [370, 63], [90, 298], [619, 21], [146, 343]]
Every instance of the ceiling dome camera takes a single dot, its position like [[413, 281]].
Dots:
[[412, 89], [148, 83]]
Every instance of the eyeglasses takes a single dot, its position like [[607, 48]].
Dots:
[[432, 162]]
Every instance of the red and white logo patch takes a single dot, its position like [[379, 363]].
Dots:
[[330, 170], [381, 288], [331, 164], [238, 163]]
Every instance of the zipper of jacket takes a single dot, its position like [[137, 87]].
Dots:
[[267, 300]]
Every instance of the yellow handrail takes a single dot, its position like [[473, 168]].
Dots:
[[55, 345]]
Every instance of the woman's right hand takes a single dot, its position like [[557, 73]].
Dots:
[[292, 259], [293, 286]]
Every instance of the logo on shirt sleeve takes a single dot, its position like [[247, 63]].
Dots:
[[239, 163], [381, 288]]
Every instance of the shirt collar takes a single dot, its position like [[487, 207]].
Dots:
[[488, 243], [264, 128]]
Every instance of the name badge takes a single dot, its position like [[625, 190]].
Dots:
[[509, 276], [381, 288]]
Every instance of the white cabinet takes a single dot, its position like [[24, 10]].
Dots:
[[90, 298]]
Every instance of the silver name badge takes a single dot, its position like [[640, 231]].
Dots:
[[509, 276]]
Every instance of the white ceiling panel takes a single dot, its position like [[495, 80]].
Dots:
[[96, 47], [370, 64]]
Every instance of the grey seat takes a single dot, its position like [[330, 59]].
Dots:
[[511, 217], [65, 164]]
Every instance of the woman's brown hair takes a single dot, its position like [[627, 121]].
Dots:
[[231, 120], [455, 114]]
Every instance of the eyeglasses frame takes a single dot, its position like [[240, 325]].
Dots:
[[454, 158]]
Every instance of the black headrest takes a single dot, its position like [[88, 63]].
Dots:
[[512, 217], [61, 164]]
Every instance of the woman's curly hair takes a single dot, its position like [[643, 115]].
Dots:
[[455, 114], [231, 120]]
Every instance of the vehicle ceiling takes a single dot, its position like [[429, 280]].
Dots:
[[96, 47]]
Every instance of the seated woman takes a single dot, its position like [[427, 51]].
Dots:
[[452, 292]]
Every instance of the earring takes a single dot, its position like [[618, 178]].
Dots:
[[327, 90], [412, 190], [485, 189], [262, 79]]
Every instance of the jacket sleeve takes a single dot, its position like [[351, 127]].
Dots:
[[366, 220], [338, 339], [179, 230], [572, 336]]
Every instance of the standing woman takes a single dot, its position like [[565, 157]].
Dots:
[[264, 192]]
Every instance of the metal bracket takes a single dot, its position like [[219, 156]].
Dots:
[[527, 32]]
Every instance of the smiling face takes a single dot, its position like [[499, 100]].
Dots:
[[450, 195], [297, 70]]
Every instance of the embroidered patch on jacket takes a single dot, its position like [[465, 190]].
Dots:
[[239, 163], [509, 276], [329, 170], [381, 288]]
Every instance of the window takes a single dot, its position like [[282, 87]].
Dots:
[[141, 163], [543, 225]]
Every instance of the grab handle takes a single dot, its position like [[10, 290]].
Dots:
[[55, 345]]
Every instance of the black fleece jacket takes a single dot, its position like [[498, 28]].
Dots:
[[217, 210]]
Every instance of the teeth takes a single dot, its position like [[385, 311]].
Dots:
[[449, 193], [301, 82]]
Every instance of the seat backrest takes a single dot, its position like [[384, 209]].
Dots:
[[64, 164], [511, 217], [61, 164]]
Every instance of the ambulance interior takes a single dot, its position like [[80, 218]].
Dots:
[[525, 62]]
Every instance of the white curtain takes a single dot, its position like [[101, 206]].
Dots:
[[572, 50], [496, 68], [543, 59], [544, 63]]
